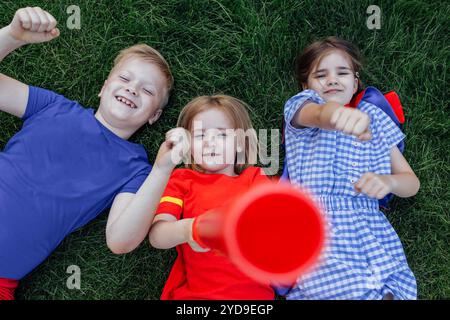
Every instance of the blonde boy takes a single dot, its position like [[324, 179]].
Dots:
[[67, 164]]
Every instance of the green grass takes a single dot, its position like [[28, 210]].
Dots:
[[246, 49]]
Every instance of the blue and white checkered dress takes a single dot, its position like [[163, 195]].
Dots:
[[364, 257]]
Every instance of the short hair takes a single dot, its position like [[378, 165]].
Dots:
[[313, 54], [149, 54], [236, 110]]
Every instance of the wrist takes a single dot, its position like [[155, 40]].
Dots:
[[12, 41], [187, 229], [163, 170], [392, 183]]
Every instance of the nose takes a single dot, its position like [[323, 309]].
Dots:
[[331, 80], [131, 89], [209, 141]]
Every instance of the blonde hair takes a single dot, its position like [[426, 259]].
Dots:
[[149, 54], [236, 111]]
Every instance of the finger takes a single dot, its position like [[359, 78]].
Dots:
[[335, 116], [365, 136], [369, 186], [362, 125], [43, 21], [34, 18], [55, 32], [24, 19], [342, 121], [52, 21], [349, 126], [362, 181], [374, 189]]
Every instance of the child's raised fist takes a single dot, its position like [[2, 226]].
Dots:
[[352, 121], [33, 25], [172, 151]]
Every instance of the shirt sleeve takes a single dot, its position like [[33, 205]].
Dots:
[[39, 99], [134, 184], [385, 130], [172, 200], [296, 103]]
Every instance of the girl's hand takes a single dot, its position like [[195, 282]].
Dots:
[[174, 149], [375, 185], [352, 121], [33, 25], [191, 242]]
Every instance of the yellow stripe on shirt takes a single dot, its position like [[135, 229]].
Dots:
[[172, 200]]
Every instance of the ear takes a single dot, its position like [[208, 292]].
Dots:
[[155, 116], [355, 87], [103, 88], [304, 86]]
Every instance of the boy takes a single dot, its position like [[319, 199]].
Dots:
[[66, 165]]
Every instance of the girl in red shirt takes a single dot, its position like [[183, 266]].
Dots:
[[219, 145]]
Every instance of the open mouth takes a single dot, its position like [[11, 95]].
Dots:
[[127, 102]]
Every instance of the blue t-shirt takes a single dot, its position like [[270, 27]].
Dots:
[[59, 172]]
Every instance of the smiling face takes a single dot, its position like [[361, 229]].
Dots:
[[333, 78], [213, 142], [133, 94]]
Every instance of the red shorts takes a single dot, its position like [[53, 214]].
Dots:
[[7, 288]]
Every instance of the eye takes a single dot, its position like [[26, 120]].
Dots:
[[123, 78], [222, 135], [319, 76], [148, 92], [343, 73]]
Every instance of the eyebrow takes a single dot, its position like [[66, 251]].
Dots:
[[145, 83], [340, 68], [223, 129]]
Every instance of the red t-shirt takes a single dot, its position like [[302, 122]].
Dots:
[[207, 275]]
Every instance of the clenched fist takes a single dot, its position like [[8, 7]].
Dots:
[[33, 25], [174, 149], [352, 121]]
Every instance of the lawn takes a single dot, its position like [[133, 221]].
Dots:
[[246, 49]]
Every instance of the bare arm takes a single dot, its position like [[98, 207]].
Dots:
[[29, 25], [167, 232], [402, 182], [131, 215], [333, 116]]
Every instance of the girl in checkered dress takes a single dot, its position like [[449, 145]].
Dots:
[[348, 159]]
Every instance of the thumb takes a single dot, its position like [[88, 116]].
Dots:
[[365, 136], [54, 33]]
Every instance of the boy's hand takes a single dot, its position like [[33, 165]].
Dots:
[[174, 149], [33, 25], [352, 121], [375, 185]]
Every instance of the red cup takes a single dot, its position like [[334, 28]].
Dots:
[[272, 233]]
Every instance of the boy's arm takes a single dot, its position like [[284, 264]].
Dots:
[[131, 215], [29, 25], [333, 116]]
